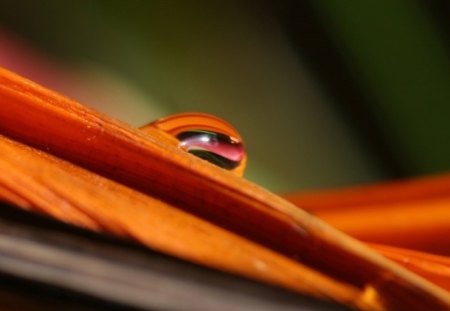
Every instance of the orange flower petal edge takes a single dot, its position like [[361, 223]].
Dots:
[[381, 194]]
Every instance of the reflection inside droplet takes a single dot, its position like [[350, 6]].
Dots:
[[217, 148], [207, 137]]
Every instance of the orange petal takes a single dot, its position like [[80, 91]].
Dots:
[[413, 214], [80, 197], [43, 119], [432, 267]]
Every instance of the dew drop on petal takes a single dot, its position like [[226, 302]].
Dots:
[[207, 137]]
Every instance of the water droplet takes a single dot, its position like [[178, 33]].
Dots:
[[207, 137]]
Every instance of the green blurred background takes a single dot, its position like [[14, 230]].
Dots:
[[325, 93]]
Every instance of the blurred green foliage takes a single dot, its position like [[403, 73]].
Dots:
[[235, 59]]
